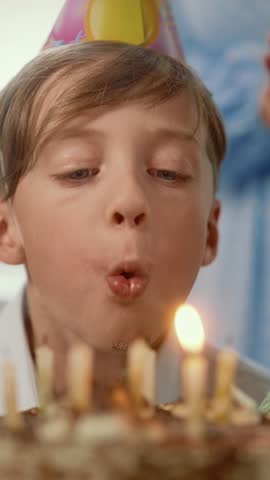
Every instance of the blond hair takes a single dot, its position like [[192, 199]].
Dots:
[[91, 75]]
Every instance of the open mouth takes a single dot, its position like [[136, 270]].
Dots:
[[127, 275]]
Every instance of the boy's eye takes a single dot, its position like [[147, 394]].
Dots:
[[80, 174], [167, 175]]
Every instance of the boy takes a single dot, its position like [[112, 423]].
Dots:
[[110, 157]]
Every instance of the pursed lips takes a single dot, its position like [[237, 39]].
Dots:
[[128, 279]]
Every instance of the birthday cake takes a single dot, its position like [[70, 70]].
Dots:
[[153, 444], [123, 440], [101, 432]]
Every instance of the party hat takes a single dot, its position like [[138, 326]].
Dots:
[[142, 22]]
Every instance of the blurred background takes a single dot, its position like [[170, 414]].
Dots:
[[224, 42], [24, 27]]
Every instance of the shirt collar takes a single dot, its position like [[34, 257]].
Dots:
[[14, 346]]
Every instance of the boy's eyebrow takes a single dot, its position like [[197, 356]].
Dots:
[[166, 134], [160, 135], [78, 132]]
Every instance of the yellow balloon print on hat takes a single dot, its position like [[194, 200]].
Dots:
[[132, 21]]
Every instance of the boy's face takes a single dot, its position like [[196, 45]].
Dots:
[[118, 190]]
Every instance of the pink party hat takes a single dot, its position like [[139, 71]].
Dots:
[[141, 22]]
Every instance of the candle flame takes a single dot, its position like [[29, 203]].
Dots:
[[189, 328]]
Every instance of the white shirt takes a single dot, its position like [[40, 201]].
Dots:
[[14, 347]]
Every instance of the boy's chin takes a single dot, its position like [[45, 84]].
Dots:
[[120, 346], [155, 344]]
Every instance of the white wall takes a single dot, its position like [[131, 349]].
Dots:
[[24, 27]]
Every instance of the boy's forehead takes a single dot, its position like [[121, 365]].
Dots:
[[157, 123], [179, 110]]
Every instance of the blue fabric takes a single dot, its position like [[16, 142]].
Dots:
[[224, 41]]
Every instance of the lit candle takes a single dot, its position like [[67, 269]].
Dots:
[[80, 377], [190, 333], [225, 374], [141, 373], [12, 418], [45, 364]]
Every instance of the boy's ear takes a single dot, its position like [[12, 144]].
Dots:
[[11, 248], [212, 239]]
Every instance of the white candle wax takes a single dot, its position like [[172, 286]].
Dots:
[[45, 368], [80, 378], [12, 417], [149, 387], [138, 353], [225, 374]]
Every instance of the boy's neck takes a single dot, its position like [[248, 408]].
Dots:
[[109, 366]]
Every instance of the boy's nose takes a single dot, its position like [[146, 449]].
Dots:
[[129, 207], [133, 220]]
